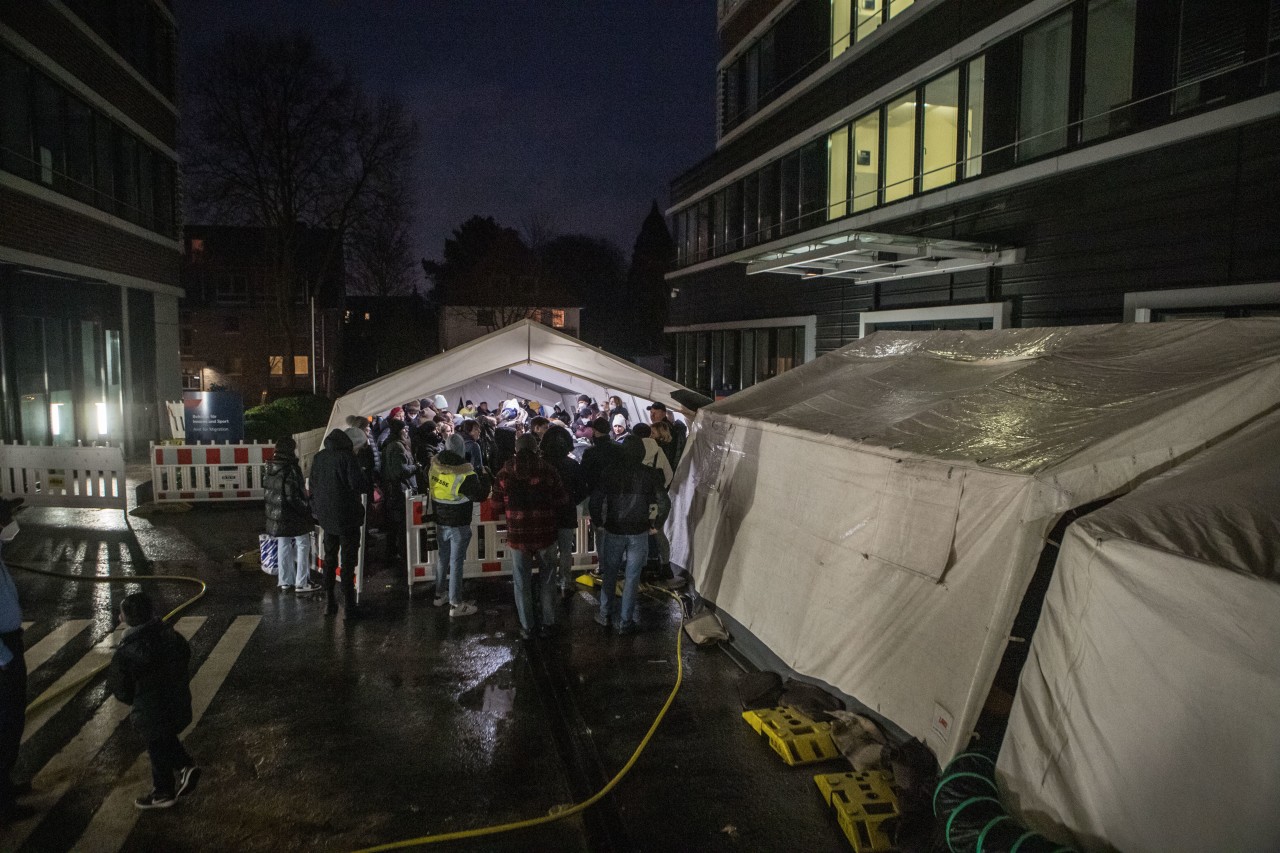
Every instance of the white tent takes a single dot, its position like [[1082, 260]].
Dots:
[[1148, 715], [874, 517], [526, 360]]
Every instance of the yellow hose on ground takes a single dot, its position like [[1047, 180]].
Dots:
[[75, 685], [557, 812]]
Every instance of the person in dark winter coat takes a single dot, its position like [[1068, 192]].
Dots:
[[13, 678], [529, 491], [399, 472], [621, 507], [456, 486], [337, 483], [600, 455], [289, 518], [556, 447], [150, 672]]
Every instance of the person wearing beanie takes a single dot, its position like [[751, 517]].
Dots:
[[456, 487], [531, 494], [289, 518], [151, 672], [619, 423], [597, 457], [621, 508], [337, 484]]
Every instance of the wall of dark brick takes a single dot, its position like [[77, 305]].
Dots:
[[63, 42], [31, 225]]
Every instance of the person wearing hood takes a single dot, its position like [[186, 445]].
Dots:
[[151, 672], [399, 472], [531, 494], [456, 487], [337, 484], [289, 518], [13, 678], [556, 447], [621, 509]]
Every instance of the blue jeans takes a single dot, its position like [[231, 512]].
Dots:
[[453, 542], [293, 556], [621, 551], [566, 538], [522, 578]]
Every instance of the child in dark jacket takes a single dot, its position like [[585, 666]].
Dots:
[[150, 672]]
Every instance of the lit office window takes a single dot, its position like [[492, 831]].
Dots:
[[900, 148], [866, 161], [1046, 84], [838, 173], [301, 365], [869, 16], [973, 118], [941, 131], [276, 365], [841, 11], [897, 7], [1108, 67]]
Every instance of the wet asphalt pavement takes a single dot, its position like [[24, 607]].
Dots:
[[318, 734]]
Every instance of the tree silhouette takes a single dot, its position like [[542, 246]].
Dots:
[[276, 137]]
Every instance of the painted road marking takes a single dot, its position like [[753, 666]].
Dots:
[[60, 772], [53, 641], [116, 817]]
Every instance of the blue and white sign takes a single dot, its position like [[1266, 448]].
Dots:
[[213, 416]]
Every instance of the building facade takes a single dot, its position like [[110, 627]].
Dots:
[[89, 223], [242, 330], [971, 164]]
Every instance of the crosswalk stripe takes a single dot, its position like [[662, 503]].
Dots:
[[60, 772], [54, 640], [116, 817]]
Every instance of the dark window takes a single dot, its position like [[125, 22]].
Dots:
[[80, 150], [770, 201], [751, 208], [813, 183], [127, 176], [48, 132], [733, 216], [791, 193], [15, 116]]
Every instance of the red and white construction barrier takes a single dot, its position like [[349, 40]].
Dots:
[[209, 472], [487, 553]]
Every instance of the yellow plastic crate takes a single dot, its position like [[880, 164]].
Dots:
[[862, 802], [795, 737]]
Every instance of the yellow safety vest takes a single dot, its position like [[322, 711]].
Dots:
[[446, 487]]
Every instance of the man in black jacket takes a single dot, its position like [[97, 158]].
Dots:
[[337, 482], [620, 511], [289, 518], [150, 672]]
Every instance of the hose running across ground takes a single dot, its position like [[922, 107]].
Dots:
[[560, 812]]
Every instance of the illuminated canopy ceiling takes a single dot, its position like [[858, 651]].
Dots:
[[864, 256]]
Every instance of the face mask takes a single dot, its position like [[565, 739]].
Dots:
[[10, 531]]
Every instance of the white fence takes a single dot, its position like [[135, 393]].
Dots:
[[487, 553], [209, 472], [91, 477]]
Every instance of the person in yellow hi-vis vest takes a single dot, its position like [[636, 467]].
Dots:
[[455, 487]]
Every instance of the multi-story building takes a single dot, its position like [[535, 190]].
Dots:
[[242, 329], [89, 248], [916, 164]]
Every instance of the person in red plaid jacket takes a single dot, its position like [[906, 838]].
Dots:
[[530, 492]]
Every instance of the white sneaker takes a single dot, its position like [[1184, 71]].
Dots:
[[465, 608], [440, 600], [305, 588]]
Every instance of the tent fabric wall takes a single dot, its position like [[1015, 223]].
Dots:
[[1146, 718], [793, 513], [523, 356]]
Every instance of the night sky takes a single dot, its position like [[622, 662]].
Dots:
[[572, 115]]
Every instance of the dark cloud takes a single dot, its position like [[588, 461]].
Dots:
[[573, 114]]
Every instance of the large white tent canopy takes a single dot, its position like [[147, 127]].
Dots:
[[526, 360], [874, 517], [1146, 718]]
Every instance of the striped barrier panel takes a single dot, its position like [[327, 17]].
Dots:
[[209, 472], [78, 477], [487, 552]]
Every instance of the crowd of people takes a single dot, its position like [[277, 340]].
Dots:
[[538, 464]]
